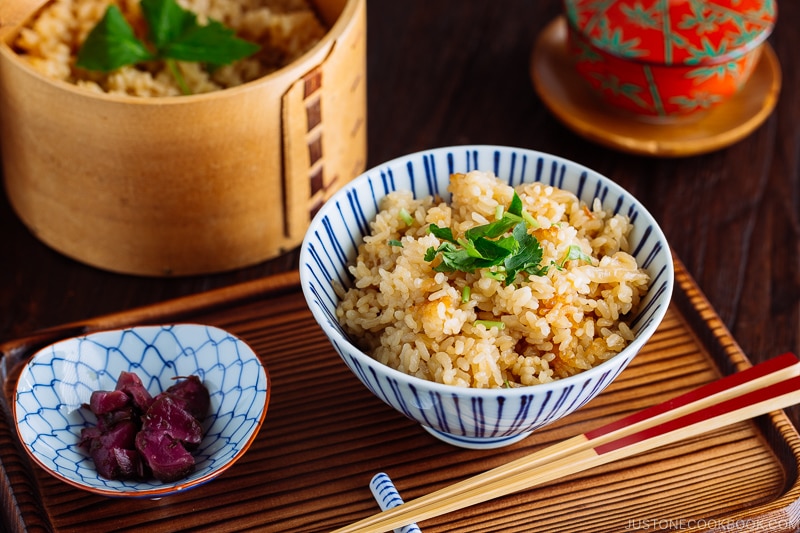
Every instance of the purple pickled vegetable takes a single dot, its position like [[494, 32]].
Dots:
[[109, 420], [106, 447], [122, 435], [194, 395], [88, 434], [102, 402], [130, 384], [167, 415], [166, 457], [130, 463], [138, 436]]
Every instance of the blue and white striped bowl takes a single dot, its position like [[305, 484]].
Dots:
[[60, 378], [473, 418]]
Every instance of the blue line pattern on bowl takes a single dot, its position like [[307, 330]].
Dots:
[[346, 217], [59, 379]]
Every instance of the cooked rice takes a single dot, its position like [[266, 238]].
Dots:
[[411, 318], [285, 29]]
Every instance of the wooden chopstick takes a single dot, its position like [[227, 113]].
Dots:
[[769, 386]]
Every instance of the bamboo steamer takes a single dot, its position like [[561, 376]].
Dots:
[[185, 185]]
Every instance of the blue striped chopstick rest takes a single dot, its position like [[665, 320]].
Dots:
[[387, 497]]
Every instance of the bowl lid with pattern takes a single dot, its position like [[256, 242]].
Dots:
[[683, 32]]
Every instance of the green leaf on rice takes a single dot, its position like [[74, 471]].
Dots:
[[174, 35], [574, 253], [112, 44], [490, 247], [446, 234], [527, 259]]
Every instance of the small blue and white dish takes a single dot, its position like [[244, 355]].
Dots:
[[58, 381], [470, 417]]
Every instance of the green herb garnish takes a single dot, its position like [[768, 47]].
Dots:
[[574, 253], [174, 35], [395, 242], [527, 217], [489, 324], [489, 246], [405, 216], [498, 212], [465, 294]]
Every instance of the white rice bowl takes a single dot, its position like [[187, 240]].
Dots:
[[369, 298]]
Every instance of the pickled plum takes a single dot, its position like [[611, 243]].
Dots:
[[138, 436]]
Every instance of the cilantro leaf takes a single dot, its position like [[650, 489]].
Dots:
[[494, 252], [430, 254], [453, 259], [112, 44], [488, 246], [469, 247], [515, 208], [527, 259], [494, 229], [446, 234], [575, 252]]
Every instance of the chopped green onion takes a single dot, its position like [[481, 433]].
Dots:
[[393, 242], [465, 293], [405, 217], [489, 324], [528, 218], [498, 212]]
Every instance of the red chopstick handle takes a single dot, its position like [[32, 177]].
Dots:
[[757, 396], [760, 370]]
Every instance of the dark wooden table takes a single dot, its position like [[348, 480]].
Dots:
[[447, 72]]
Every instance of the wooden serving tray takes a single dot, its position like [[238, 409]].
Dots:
[[325, 436]]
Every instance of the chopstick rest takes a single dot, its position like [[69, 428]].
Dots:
[[386, 495], [767, 387]]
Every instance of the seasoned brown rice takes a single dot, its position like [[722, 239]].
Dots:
[[412, 318], [285, 29]]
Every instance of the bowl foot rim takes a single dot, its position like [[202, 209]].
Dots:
[[476, 443]]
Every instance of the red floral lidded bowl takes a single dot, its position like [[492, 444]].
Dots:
[[665, 60]]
